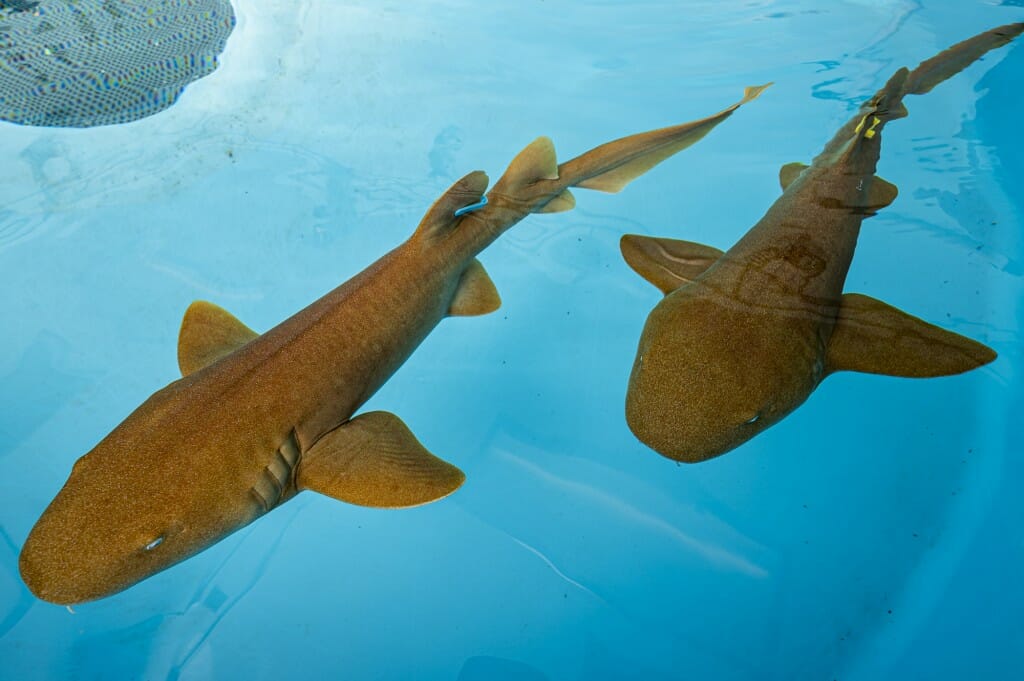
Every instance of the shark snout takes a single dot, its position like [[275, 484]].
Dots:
[[50, 573]]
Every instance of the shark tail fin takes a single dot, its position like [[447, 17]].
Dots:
[[610, 167], [441, 218], [950, 62]]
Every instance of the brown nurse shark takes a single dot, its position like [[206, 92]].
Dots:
[[256, 419], [742, 338]]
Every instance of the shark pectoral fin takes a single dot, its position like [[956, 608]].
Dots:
[[790, 172], [876, 338], [563, 202], [612, 166], [208, 332], [667, 263], [374, 460], [476, 294]]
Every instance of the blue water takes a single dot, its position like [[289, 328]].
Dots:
[[873, 534]]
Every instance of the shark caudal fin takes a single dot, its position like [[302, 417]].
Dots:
[[950, 62], [610, 167], [374, 460]]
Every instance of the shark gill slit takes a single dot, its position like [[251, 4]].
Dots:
[[277, 480]]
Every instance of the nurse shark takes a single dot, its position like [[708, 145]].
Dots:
[[742, 338], [256, 419]]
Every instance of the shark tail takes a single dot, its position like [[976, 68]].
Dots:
[[608, 167], [887, 104], [612, 166]]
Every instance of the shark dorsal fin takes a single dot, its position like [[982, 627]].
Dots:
[[790, 172], [209, 332], [875, 338], [441, 218], [667, 263], [374, 460], [612, 166], [476, 294], [537, 161]]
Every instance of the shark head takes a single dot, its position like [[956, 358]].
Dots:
[[102, 533], [704, 381], [126, 512]]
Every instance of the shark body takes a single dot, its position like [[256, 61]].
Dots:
[[742, 338], [256, 419]]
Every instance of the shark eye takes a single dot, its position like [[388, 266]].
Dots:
[[153, 544], [752, 420]]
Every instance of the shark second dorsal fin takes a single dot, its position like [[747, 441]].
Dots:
[[537, 161], [374, 460], [667, 263], [875, 338], [612, 166], [790, 172], [476, 294], [208, 332]]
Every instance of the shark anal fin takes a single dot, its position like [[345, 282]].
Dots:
[[209, 332], [476, 294], [563, 202], [612, 166], [374, 460], [873, 337], [790, 172], [667, 263]]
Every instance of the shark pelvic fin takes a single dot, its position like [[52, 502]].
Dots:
[[209, 332], [875, 338], [612, 166], [374, 460], [476, 294], [667, 263], [790, 172], [881, 193]]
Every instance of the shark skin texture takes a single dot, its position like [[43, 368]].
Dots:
[[743, 337], [256, 419]]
